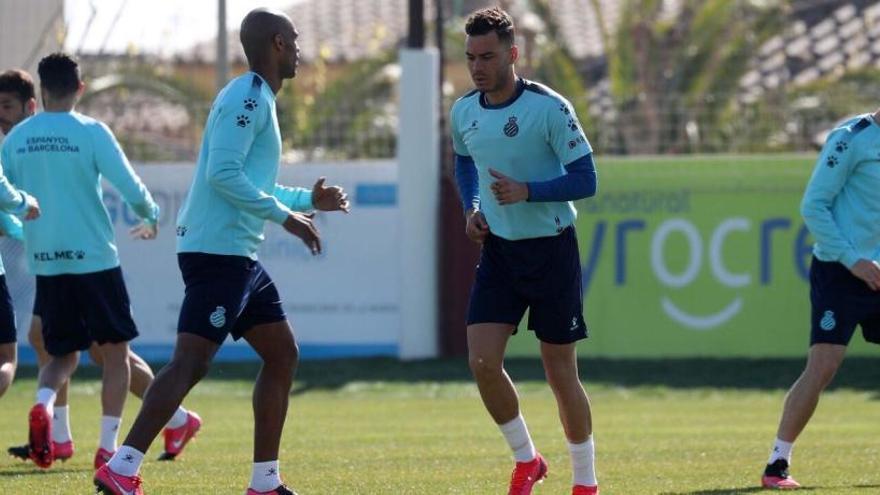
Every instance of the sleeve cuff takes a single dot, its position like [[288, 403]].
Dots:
[[304, 203], [21, 209], [849, 258], [280, 215]]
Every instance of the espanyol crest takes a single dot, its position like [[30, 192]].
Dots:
[[218, 317], [511, 128]]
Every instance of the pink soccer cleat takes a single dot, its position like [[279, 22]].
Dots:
[[526, 474], [776, 476], [281, 490], [585, 490], [102, 456], [110, 483], [41, 447], [177, 438], [63, 451]]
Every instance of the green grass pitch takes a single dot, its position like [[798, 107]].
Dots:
[[382, 427]]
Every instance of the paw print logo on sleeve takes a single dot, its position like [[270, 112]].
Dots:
[[242, 121], [832, 161], [841, 146], [250, 104]]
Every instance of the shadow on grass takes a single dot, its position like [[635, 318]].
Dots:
[[859, 373], [732, 491], [756, 489], [25, 469]]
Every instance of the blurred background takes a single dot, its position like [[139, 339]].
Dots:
[[705, 117]]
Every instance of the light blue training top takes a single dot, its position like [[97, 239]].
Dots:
[[530, 138], [841, 205], [233, 191], [60, 157]]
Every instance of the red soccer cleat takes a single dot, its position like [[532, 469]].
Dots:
[[177, 438], [63, 451], [776, 476], [110, 483], [585, 490], [281, 490], [41, 447], [526, 474], [102, 456]]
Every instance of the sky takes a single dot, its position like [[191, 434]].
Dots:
[[162, 27]]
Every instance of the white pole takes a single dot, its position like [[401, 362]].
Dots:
[[418, 160], [222, 46]]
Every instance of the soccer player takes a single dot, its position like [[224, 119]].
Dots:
[[219, 229], [841, 208], [521, 159], [61, 156], [20, 203], [17, 102]]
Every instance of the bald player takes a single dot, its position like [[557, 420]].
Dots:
[[220, 227]]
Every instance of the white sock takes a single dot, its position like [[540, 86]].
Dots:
[[179, 418], [46, 397], [109, 431], [583, 462], [265, 476], [126, 461], [781, 450], [517, 436], [61, 425]]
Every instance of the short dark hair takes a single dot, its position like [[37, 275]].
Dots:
[[488, 20], [18, 82], [59, 74]]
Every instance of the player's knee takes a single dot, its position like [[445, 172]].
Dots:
[[95, 356], [35, 336], [7, 372], [823, 368], [194, 369], [284, 360], [484, 367]]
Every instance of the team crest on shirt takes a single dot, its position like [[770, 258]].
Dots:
[[511, 129], [218, 317]]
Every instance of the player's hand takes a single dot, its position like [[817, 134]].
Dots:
[[477, 229], [144, 231], [869, 271], [506, 190], [303, 226], [331, 198], [32, 211]]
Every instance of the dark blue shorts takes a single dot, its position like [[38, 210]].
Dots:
[[840, 301], [7, 314], [226, 295], [542, 275], [78, 309]]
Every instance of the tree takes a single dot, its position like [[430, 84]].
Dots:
[[672, 78]]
